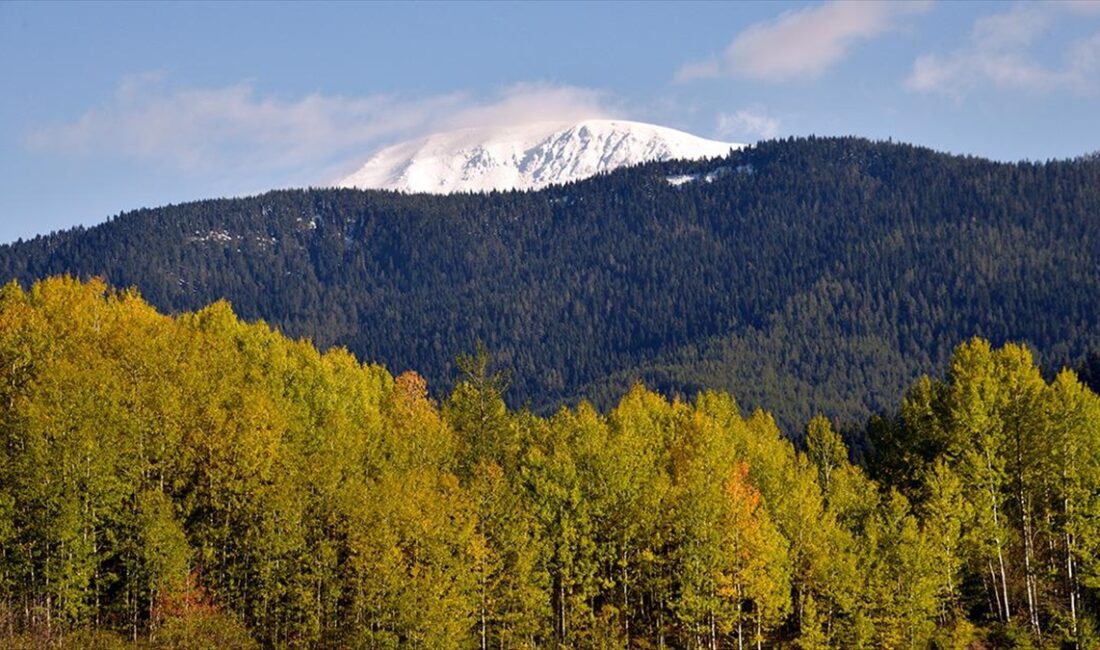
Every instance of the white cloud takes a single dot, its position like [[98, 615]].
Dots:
[[802, 43], [748, 124], [236, 129], [999, 53], [534, 102]]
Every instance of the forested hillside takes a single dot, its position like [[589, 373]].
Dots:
[[197, 482], [803, 275]]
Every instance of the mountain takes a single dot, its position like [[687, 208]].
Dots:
[[803, 275], [525, 157]]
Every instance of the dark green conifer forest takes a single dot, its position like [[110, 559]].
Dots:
[[814, 275], [197, 481]]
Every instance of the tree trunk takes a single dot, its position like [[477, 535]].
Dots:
[[1072, 586], [740, 641], [626, 611], [484, 644], [1029, 575], [995, 603], [997, 537]]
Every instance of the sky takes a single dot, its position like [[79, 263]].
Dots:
[[106, 108]]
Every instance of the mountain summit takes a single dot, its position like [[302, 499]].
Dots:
[[525, 157]]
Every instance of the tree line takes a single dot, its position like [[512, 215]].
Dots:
[[198, 481]]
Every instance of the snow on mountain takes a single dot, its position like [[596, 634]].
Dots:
[[525, 157]]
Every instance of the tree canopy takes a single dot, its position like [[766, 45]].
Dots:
[[172, 481]]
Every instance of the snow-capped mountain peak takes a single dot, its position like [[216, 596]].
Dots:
[[525, 157]]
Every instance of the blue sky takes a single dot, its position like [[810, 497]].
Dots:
[[113, 107]]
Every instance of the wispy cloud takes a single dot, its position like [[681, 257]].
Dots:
[[1000, 53], [533, 102], [748, 124], [803, 43], [237, 129]]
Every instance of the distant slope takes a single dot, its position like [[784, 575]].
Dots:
[[525, 157], [803, 275]]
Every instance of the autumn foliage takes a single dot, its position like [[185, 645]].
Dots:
[[197, 481]]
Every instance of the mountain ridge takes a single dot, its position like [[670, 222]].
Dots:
[[826, 279]]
